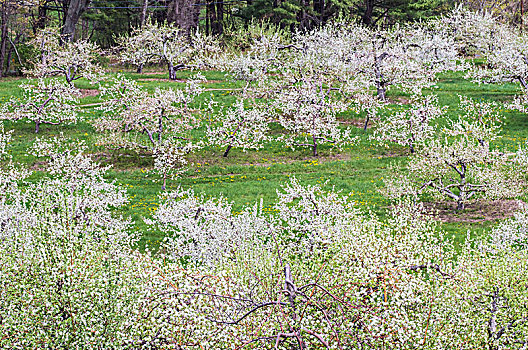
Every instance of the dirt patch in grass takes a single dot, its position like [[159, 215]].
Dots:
[[163, 79], [123, 160], [177, 80], [153, 73], [478, 211], [304, 159], [39, 166], [395, 153], [89, 92], [359, 123], [399, 100]]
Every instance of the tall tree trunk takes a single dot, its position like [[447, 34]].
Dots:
[[319, 8], [369, 11], [8, 60], [214, 15], [42, 17], [210, 13], [219, 27], [75, 10], [184, 14], [143, 17], [304, 20], [3, 35]]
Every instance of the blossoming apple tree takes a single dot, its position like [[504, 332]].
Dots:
[[308, 111], [239, 127], [166, 117], [508, 62], [71, 59], [65, 257], [44, 102], [460, 170], [169, 44], [411, 127], [473, 32]]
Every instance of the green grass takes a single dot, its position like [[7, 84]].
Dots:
[[245, 178]]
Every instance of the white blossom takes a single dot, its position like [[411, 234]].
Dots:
[[71, 59], [308, 111], [168, 44], [166, 117], [118, 96], [239, 127], [459, 170], [413, 126], [45, 102]]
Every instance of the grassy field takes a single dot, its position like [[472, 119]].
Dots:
[[245, 178]]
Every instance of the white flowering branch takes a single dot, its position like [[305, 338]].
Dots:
[[45, 102]]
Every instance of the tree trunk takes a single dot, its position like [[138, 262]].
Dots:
[[381, 92], [227, 150], [366, 123], [219, 26], [37, 126], [42, 17], [314, 146], [69, 78], [172, 71], [303, 20], [380, 86], [75, 10], [523, 83], [369, 10], [215, 14], [184, 14], [3, 36], [8, 60], [160, 127], [143, 17], [462, 197], [319, 8]]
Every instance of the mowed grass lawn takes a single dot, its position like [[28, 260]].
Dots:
[[247, 178]]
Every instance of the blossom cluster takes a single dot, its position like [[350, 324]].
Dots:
[[71, 59], [44, 102], [166, 117], [167, 44], [455, 162]]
